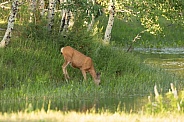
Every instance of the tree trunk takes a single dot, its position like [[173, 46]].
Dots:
[[32, 10], [42, 7], [107, 36], [65, 20], [11, 21], [51, 13], [90, 25]]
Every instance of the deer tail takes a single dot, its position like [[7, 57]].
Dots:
[[62, 49]]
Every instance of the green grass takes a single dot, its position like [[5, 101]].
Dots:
[[31, 66]]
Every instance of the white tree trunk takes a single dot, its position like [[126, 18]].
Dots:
[[51, 13], [11, 21], [90, 25], [71, 20], [65, 20], [63, 17], [42, 7], [107, 36], [32, 10]]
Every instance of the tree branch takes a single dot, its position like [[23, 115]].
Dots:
[[2, 5], [138, 36]]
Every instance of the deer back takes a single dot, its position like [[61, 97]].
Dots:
[[76, 58]]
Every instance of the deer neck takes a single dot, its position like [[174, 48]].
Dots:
[[94, 75]]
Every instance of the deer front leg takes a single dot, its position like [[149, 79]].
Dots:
[[83, 73], [65, 70]]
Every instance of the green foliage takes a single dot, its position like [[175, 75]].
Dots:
[[124, 32], [82, 8]]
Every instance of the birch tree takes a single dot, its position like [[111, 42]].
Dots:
[[42, 7], [111, 9], [32, 10], [51, 13], [66, 16], [2, 5], [90, 25], [65, 21], [11, 21]]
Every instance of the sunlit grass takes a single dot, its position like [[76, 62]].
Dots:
[[72, 116]]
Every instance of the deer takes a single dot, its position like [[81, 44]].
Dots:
[[78, 60]]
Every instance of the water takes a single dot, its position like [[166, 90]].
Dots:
[[127, 104], [170, 59], [164, 51]]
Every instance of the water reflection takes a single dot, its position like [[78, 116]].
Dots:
[[176, 51], [112, 104], [170, 59]]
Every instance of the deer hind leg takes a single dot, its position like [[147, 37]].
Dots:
[[65, 70]]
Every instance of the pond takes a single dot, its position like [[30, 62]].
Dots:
[[170, 59]]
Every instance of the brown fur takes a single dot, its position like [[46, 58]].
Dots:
[[80, 61]]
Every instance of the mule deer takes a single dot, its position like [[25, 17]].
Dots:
[[78, 60]]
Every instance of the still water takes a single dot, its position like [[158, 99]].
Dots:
[[112, 104], [170, 59]]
